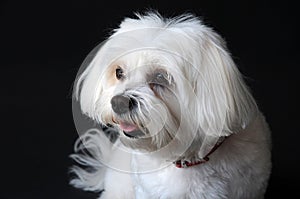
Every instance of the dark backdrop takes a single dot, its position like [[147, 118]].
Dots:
[[43, 43]]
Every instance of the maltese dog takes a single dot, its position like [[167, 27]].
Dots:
[[187, 126]]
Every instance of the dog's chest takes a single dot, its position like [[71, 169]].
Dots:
[[162, 181]]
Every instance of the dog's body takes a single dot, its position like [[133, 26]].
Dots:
[[174, 94]]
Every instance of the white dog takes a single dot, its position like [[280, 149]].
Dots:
[[188, 125]]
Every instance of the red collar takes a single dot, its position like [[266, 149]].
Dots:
[[186, 163]]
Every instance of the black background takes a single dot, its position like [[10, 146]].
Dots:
[[43, 43]]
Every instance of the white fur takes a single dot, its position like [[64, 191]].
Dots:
[[205, 99]]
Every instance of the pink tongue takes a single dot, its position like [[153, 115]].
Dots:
[[127, 127]]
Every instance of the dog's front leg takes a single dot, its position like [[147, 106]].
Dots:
[[118, 181]]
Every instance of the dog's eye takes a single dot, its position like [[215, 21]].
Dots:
[[119, 73], [161, 79]]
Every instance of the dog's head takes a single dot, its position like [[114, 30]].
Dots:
[[162, 81]]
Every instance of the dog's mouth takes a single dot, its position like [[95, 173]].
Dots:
[[128, 127], [130, 130]]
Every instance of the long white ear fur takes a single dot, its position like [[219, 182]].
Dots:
[[225, 104]]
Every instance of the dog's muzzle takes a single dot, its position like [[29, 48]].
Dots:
[[122, 104]]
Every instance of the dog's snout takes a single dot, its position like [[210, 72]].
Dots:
[[121, 104]]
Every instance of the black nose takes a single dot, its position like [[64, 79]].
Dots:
[[121, 104]]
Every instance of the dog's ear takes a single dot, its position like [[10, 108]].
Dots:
[[224, 103], [87, 87]]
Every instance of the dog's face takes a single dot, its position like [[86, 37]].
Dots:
[[144, 99], [165, 85]]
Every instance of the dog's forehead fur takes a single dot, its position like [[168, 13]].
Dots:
[[165, 36], [154, 23]]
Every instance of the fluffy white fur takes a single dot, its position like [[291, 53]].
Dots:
[[188, 93]]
